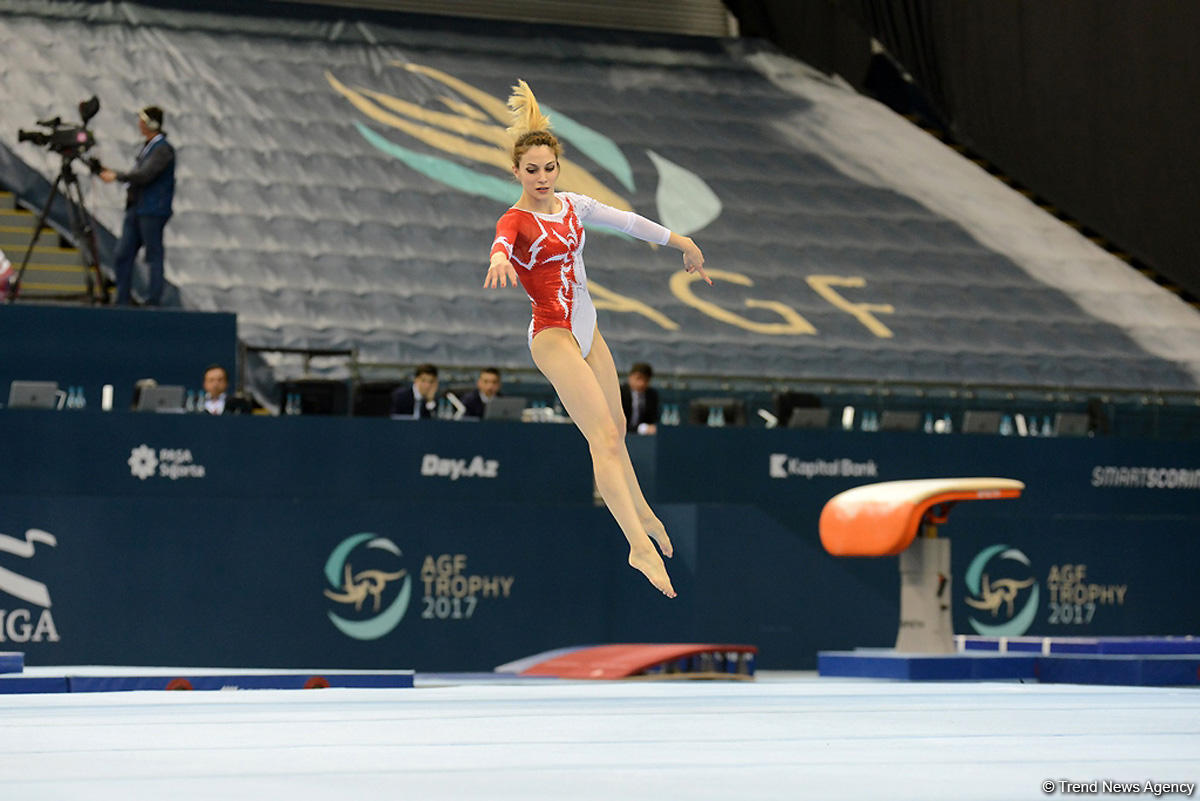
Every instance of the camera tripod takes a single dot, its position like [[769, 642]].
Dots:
[[83, 231]]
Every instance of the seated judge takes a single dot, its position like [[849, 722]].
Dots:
[[418, 400], [487, 386], [217, 399], [639, 400]]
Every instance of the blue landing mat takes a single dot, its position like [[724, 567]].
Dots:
[[94, 682], [1142, 670], [12, 661], [1081, 645], [1138, 671], [886, 664]]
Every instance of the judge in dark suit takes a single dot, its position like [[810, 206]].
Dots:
[[640, 400], [216, 398], [417, 400], [147, 206], [487, 386]]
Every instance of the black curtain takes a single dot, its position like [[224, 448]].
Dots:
[[819, 32], [1090, 103]]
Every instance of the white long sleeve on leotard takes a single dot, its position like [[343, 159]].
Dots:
[[590, 210]]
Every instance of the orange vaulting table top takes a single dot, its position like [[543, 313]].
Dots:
[[883, 519]]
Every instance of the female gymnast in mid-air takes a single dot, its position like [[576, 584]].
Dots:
[[542, 235]]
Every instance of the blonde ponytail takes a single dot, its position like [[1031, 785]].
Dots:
[[526, 115], [530, 127]]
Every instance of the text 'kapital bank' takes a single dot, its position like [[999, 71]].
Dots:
[[781, 465]]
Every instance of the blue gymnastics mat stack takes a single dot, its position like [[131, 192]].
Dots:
[[1138, 661], [16, 678]]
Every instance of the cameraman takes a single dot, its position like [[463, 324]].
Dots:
[[147, 206]]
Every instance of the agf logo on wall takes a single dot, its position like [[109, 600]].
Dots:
[[1001, 583], [997, 578], [364, 589], [374, 599]]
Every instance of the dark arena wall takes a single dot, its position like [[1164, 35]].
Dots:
[[184, 539]]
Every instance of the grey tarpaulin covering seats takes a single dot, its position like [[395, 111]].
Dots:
[[339, 186]]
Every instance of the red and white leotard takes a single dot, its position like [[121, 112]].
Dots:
[[547, 250]]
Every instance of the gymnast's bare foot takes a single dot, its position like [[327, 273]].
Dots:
[[658, 533], [650, 563]]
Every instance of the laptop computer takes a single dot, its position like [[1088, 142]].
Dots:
[[1071, 424], [32, 394], [897, 420], [163, 398], [504, 407], [805, 417], [976, 421]]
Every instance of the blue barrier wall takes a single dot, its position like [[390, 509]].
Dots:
[[335, 542], [1104, 540], [141, 455]]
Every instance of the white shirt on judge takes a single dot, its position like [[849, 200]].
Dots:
[[215, 405]]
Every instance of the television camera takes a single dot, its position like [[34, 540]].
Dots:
[[67, 139], [71, 141]]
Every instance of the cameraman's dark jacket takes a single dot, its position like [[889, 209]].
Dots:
[[152, 180]]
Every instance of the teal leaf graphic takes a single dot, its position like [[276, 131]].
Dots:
[[439, 169], [593, 144], [337, 559], [457, 177], [975, 569], [685, 202]]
